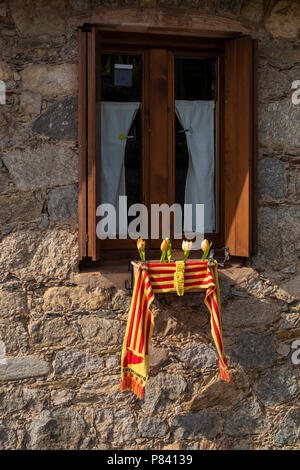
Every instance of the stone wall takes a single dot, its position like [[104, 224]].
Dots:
[[60, 375]]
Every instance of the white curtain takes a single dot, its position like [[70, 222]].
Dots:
[[198, 116], [116, 119]]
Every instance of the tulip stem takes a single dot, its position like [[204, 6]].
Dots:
[[169, 252]]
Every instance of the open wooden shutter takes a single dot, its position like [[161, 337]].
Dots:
[[240, 147], [87, 139], [82, 144], [92, 143]]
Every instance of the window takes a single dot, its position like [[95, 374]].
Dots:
[[165, 119]]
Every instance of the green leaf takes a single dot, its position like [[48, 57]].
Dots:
[[163, 256]]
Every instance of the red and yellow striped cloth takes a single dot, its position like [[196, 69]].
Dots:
[[156, 278]]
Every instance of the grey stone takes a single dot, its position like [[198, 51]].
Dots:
[[162, 391], [50, 80], [106, 332], [30, 103], [121, 301], [21, 399], [12, 401], [8, 437], [288, 432], [282, 294], [277, 386], [17, 368], [231, 6], [104, 388], [63, 204], [147, 3], [292, 286], [152, 427], [245, 419], [277, 124], [199, 356], [35, 253], [256, 312], [78, 298], [34, 398], [80, 4], [254, 351], [14, 336], [12, 304], [42, 18], [19, 207], [73, 362], [288, 322], [275, 83], [239, 293], [256, 285], [42, 167], [253, 10], [284, 19], [12, 132], [206, 395], [106, 314], [289, 269], [225, 291], [278, 235], [45, 221], [283, 349], [196, 425], [113, 362], [3, 10], [58, 429], [59, 121], [5, 71], [5, 182], [241, 446], [47, 332], [158, 357], [7, 229], [279, 52], [271, 179], [61, 397], [94, 391], [116, 425]]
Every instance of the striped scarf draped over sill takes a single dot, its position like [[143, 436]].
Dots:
[[157, 278]]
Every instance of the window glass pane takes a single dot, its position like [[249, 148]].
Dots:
[[195, 135], [121, 139], [114, 72]]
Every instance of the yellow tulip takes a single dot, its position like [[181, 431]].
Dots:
[[164, 245], [140, 244], [204, 245]]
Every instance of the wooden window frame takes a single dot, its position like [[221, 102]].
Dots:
[[90, 40]]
